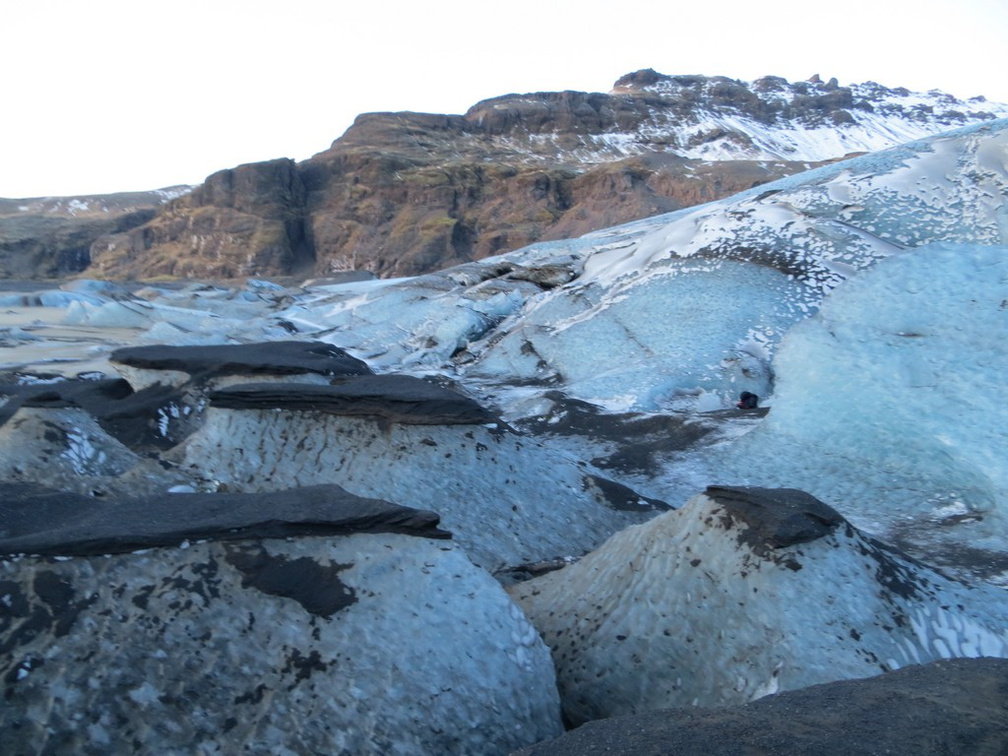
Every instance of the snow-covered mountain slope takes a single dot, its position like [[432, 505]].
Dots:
[[810, 120], [717, 118]]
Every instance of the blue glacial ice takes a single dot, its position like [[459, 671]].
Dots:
[[890, 404], [694, 303]]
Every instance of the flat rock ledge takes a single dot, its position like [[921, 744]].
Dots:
[[37, 520], [396, 398], [777, 517], [273, 357]]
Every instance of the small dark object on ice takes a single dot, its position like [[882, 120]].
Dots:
[[748, 400]]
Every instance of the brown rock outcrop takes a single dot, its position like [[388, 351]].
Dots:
[[407, 193], [51, 237], [396, 206], [239, 222]]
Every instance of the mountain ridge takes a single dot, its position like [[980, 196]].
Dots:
[[51, 237], [407, 193], [715, 118]]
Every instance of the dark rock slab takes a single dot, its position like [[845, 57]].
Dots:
[[777, 517], [155, 417], [396, 398], [640, 442], [949, 707], [624, 498], [90, 395], [273, 357], [36, 520]]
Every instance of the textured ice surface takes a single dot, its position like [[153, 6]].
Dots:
[[686, 310], [699, 290], [890, 401], [689, 609], [506, 498], [689, 304], [408, 322], [396, 645], [657, 343]]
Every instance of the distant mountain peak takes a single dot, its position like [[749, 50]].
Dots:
[[777, 90], [719, 118]]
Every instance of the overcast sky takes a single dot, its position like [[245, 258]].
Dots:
[[102, 96]]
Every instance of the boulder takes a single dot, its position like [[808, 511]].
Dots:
[[954, 706]]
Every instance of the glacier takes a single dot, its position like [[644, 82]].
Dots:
[[691, 305], [677, 314], [865, 302], [890, 400]]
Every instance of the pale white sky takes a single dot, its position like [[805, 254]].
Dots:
[[101, 96]]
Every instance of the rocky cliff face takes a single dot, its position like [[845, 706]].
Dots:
[[241, 221], [46, 237], [407, 193], [399, 195]]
